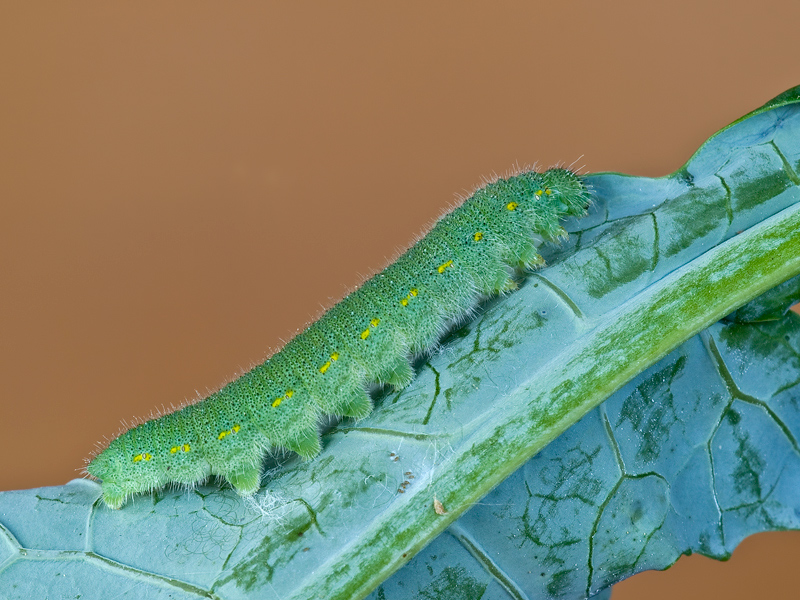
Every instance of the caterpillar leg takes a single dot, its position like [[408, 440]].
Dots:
[[506, 285], [555, 234], [399, 376], [245, 481], [500, 282], [357, 407], [530, 258], [306, 444]]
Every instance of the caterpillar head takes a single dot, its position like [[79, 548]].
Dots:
[[569, 190]]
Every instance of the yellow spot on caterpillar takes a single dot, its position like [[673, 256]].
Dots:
[[335, 356], [186, 447], [548, 191], [411, 294], [365, 334], [137, 458], [478, 236], [173, 450], [512, 205], [277, 402], [374, 322], [325, 367], [148, 456], [539, 192], [444, 266], [222, 435]]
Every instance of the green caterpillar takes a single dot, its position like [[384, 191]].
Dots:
[[367, 337]]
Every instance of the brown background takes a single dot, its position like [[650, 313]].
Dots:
[[183, 186]]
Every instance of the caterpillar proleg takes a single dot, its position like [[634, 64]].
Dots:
[[367, 337]]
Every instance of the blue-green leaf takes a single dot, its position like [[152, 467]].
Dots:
[[693, 455]]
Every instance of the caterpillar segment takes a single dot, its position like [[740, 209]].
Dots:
[[368, 337]]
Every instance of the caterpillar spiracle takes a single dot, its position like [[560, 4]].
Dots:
[[368, 337]]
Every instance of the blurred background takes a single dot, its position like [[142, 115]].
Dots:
[[185, 185]]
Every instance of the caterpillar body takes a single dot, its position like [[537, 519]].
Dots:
[[366, 338]]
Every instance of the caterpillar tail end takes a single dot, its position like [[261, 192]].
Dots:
[[100, 468], [113, 496]]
